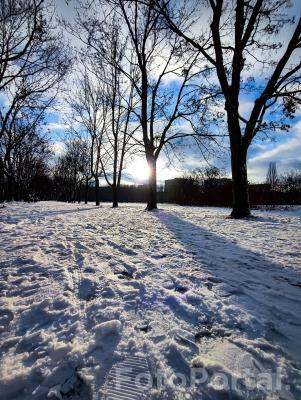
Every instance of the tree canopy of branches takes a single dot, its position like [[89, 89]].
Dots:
[[102, 105], [28, 164], [160, 72], [89, 109], [167, 87], [291, 182], [236, 38], [70, 170], [33, 63], [119, 90]]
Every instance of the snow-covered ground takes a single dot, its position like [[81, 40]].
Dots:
[[213, 305]]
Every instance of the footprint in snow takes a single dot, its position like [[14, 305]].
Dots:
[[89, 270], [159, 256], [6, 316], [143, 327], [209, 285], [214, 279], [184, 337], [181, 289], [87, 289], [107, 292], [125, 275], [127, 387]]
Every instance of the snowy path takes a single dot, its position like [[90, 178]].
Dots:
[[83, 288]]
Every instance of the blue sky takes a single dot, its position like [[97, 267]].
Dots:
[[283, 148]]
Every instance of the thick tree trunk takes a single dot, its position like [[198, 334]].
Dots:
[[97, 191], [152, 184], [115, 197], [240, 192]]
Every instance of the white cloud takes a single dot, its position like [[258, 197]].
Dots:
[[56, 126], [245, 108], [4, 101], [286, 154]]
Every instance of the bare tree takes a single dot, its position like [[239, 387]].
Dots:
[[28, 104], [30, 161], [33, 64], [86, 166], [272, 176], [154, 57], [22, 29], [118, 142], [235, 38], [104, 56], [290, 183], [69, 170], [89, 115], [159, 56]]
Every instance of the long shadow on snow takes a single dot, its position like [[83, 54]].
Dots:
[[248, 279], [39, 214], [68, 211]]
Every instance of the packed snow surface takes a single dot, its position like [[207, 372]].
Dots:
[[212, 304]]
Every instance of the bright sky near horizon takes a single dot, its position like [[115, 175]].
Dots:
[[284, 149]]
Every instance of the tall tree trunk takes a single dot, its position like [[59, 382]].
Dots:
[[115, 196], [114, 185], [79, 193], [2, 179], [17, 193], [152, 183], [240, 192], [10, 185], [97, 191], [86, 190], [25, 195]]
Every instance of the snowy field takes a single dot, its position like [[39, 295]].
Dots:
[[210, 305]]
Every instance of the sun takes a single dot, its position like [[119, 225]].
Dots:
[[139, 170]]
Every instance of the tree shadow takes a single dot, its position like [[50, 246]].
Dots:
[[67, 211], [265, 291], [38, 214]]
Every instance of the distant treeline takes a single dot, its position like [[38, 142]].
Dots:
[[201, 187], [208, 187], [127, 194]]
